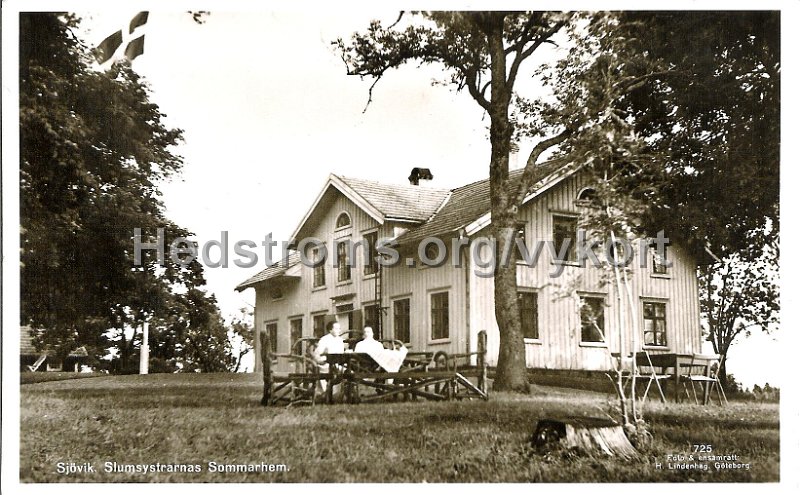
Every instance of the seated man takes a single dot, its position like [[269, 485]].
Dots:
[[330, 343], [369, 344]]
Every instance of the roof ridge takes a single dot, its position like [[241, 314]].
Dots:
[[463, 207], [515, 171], [408, 186], [546, 163]]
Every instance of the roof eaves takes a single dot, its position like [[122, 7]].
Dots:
[[310, 210], [550, 180], [356, 198], [404, 220], [288, 263], [481, 223], [337, 182]]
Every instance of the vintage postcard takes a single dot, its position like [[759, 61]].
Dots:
[[249, 243]]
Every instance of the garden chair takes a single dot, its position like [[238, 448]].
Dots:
[[646, 370], [703, 370], [653, 374]]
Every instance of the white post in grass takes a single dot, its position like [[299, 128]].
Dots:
[[144, 352]]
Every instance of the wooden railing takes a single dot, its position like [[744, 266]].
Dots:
[[441, 367]]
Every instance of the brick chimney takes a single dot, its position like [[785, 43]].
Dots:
[[418, 174]]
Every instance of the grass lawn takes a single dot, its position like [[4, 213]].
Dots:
[[193, 420], [53, 376]]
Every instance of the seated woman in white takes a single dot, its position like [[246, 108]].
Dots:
[[369, 345]]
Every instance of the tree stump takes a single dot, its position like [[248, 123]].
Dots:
[[587, 435]]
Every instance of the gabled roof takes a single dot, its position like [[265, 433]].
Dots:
[[437, 212], [469, 206], [399, 202], [275, 270], [406, 203], [26, 347]]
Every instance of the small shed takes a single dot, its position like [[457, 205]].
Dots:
[[32, 359]]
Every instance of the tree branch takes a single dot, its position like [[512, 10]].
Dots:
[[523, 54], [631, 83], [484, 88], [523, 38], [402, 12], [722, 302], [530, 167], [470, 79], [369, 97]]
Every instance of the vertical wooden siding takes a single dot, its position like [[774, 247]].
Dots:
[[300, 298], [559, 345], [417, 284], [471, 298]]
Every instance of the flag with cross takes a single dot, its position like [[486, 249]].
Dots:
[[108, 48]]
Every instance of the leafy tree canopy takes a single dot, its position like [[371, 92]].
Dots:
[[664, 108], [93, 148]]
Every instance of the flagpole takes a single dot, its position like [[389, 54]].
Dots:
[[144, 352]]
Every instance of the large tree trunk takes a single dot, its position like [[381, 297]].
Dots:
[[511, 370]]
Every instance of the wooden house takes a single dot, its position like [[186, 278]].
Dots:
[[443, 307], [32, 359]]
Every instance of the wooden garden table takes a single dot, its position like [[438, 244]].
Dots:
[[674, 361]]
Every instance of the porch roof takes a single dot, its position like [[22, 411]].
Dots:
[[282, 268]]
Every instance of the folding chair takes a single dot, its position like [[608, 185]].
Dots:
[[645, 370], [703, 370]]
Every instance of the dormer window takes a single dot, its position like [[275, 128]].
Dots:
[[587, 197], [343, 220]]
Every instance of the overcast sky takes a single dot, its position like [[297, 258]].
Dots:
[[268, 113]]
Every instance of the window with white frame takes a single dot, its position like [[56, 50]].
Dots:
[[372, 319], [343, 261], [343, 220], [565, 232], [319, 268], [370, 253], [593, 316], [402, 320], [659, 262], [440, 315], [529, 313], [319, 325], [271, 329], [655, 323], [295, 331]]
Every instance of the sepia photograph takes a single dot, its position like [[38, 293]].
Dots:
[[249, 243]]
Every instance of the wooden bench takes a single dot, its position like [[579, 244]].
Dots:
[[359, 380]]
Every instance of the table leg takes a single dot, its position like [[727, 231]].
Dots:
[[677, 379]]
